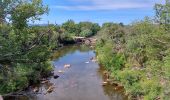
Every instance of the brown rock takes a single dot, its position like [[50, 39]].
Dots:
[[36, 89], [50, 89], [114, 83], [87, 42], [119, 87], [45, 81], [104, 83]]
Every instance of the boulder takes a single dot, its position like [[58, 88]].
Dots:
[[56, 76], [87, 42], [67, 66]]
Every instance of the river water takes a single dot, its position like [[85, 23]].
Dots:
[[81, 81]]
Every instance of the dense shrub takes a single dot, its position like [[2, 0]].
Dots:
[[137, 56]]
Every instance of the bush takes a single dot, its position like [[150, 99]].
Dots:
[[86, 33], [138, 58]]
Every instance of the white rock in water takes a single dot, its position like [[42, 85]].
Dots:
[[87, 62], [94, 60], [60, 71], [104, 83], [67, 66]]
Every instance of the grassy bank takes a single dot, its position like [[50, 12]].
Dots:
[[137, 56]]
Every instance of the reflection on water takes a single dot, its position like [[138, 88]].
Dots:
[[82, 81]]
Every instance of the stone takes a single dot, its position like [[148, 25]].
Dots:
[[60, 71], [87, 42], [104, 83], [36, 89], [119, 88], [45, 81], [56, 76], [67, 66], [50, 89], [87, 62]]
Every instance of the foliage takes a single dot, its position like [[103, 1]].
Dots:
[[70, 27], [84, 29], [86, 33], [163, 13], [138, 55], [24, 49]]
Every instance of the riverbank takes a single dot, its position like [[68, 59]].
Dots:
[[86, 40], [137, 58]]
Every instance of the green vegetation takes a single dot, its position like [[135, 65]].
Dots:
[[25, 50], [137, 55], [84, 29]]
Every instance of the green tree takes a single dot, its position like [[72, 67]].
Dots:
[[86, 33], [24, 50], [163, 12], [26, 11], [84, 26], [70, 27], [6, 6]]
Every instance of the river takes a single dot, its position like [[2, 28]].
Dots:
[[81, 80]]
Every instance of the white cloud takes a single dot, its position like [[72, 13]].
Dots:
[[102, 7], [108, 4]]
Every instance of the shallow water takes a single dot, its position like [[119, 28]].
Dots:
[[82, 81]]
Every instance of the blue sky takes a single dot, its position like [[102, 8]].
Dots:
[[98, 11]]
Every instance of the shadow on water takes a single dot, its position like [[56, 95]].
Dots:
[[81, 81]]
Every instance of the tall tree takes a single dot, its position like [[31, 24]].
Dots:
[[163, 12], [23, 50], [6, 8], [70, 27], [21, 10]]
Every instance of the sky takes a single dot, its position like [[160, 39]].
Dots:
[[98, 11]]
